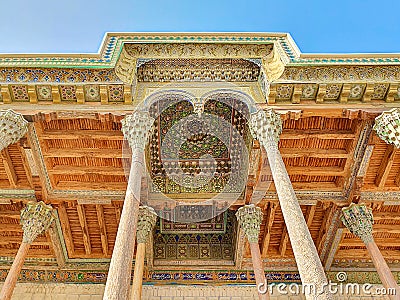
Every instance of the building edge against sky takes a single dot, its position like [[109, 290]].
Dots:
[[332, 138]]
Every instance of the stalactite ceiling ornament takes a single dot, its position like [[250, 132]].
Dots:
[[359, 220], [387, 127], [36, 218], [13, 126], [249, 218]]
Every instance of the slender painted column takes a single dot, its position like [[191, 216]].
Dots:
[[146, 222], [359, 220], [136, 129], [266, 127], [36, 218], [250, 218]]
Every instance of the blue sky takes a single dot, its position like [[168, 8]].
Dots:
[[72, 26]]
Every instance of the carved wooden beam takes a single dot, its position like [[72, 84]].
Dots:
[[85, 231], [284, 241], [268, 227], [294, 134], [324, 227], [385, 166], [97, 153], [62, 213], [52, 234], [9, 168], [319, 153], [103, 229], [110, 135], [82, 170]]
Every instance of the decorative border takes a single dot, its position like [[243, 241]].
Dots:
[[113, 43], [184, 277]]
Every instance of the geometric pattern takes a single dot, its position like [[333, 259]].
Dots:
[[196, 246], [195, 146]]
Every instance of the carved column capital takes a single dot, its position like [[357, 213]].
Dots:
[[266, 126], [146, 221], [250, 218], [137, 128], [359, 220], [36, 218], [13, 127], [387, 126]]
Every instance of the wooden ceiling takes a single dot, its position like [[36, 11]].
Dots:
[[76, 164]]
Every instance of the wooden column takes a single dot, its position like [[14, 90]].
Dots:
[[266, 127], [136, 129], [146, 222], [359, 220], [250, 218], [36, 218]]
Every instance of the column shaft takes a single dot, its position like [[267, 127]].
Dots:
[[119, 274], [383, 270], [138, 273], [305, 252], [259, 271], [12, 276]]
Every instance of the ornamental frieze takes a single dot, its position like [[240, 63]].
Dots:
[[372, 73]]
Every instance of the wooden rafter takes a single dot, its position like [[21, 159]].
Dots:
[[361, 253], [80, 185], [81, 134], [62, 213], [5, 240], [52, 235], [295, 134], [316, 171], [384, 228], [14, 214], [385, 166], [26, 165], [389, 242], [268, 227], [11, 227], [386, 216], [334, 247], [9, 167], [397, 179], [324, 227], [350, 158], [117, 209], [82, 170], [284, 241], [97, 153], [103, 230], [310, 214], [85, 230], [318, 153], [37, 253]]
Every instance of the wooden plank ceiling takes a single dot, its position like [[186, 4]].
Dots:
[[85, 154]]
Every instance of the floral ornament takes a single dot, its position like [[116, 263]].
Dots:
[[44, 92], [309, 91], [92, 92], [380, 91], [387, 126], [356, 91]]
